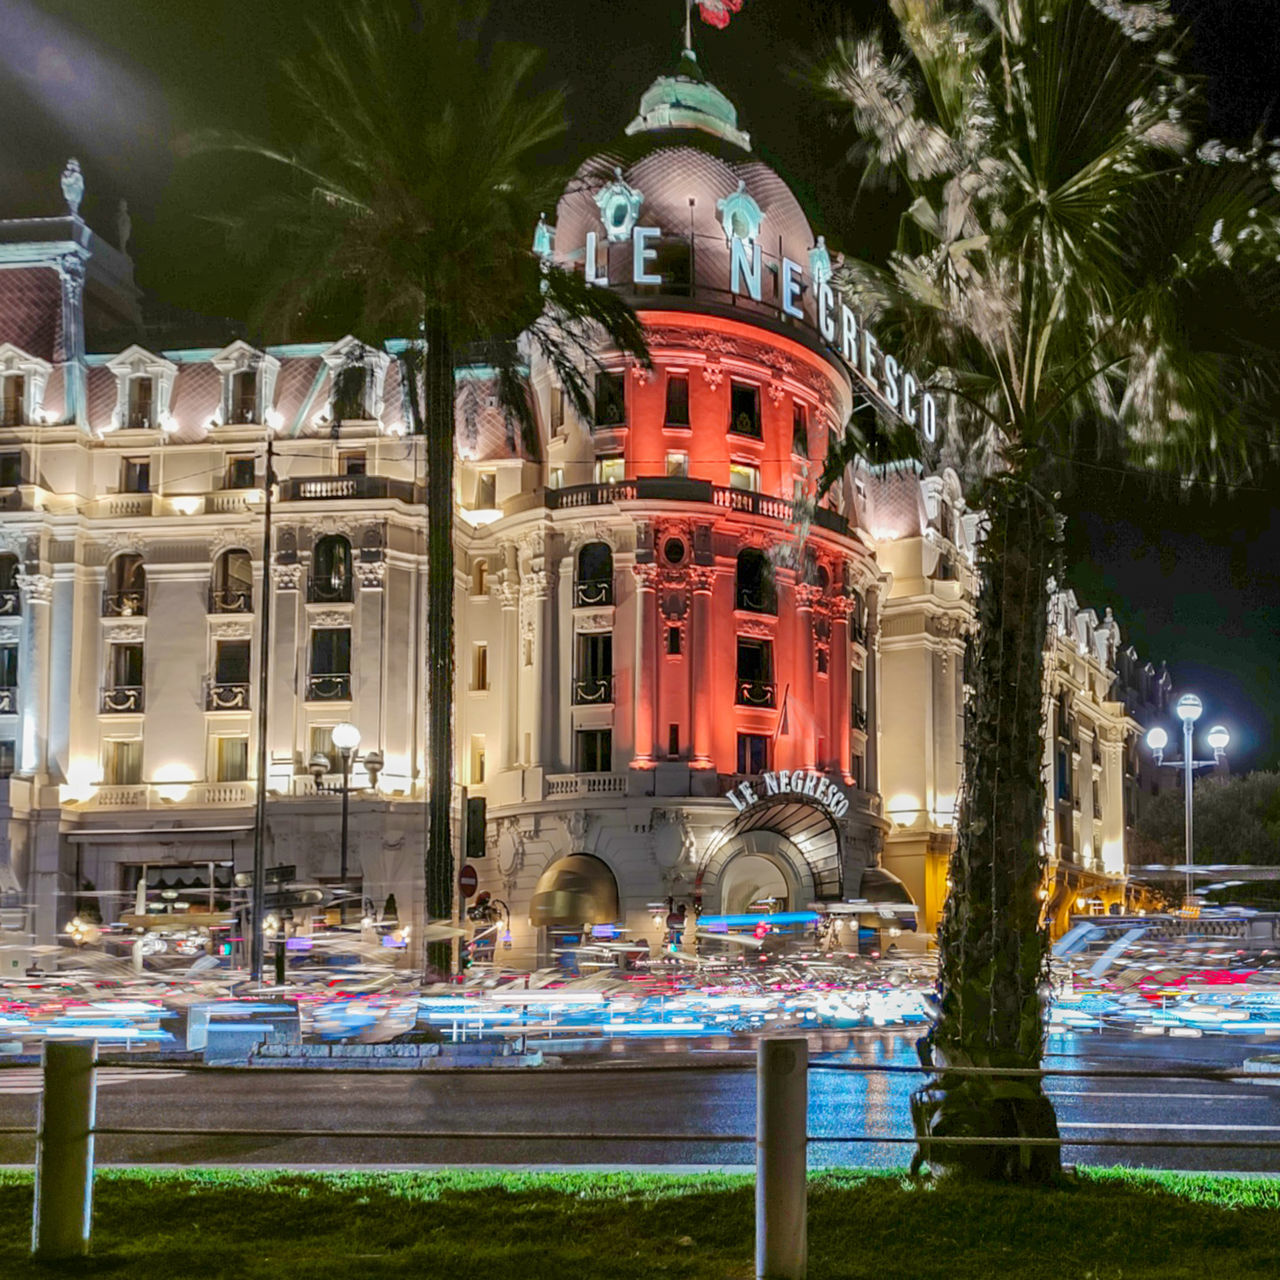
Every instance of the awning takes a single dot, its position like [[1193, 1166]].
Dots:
[[575, 891], [889, 904]]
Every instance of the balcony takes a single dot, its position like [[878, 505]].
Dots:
[[755, 693], [586, 784], [124, 699], [124, 604], [590, 593], [10, 602], [347, 488], [227, 697], [684, 489], [8, 701], [756, 601], [224, 600], [327, 591], [166, 795], [596, 691], [335, 687]]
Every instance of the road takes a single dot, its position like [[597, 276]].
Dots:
[[720, 1103]]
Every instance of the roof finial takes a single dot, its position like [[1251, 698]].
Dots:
[[73, 186]]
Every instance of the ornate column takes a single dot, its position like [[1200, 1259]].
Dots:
[[806, 597], [34, 654], [507, 591], [646, 700], [871, 779], [533, 628], [702, 702], [838, 681]]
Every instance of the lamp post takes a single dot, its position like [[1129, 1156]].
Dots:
[[345, 738], [1189, 709]]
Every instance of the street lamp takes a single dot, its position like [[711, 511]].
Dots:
[[346, 738], [1189, 709]]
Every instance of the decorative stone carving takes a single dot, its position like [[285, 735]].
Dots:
[[776, 391], [287, 577], [330, 618], [641, 374], [511, 848], [619, 205], [646, 576], [595, 531], [702, 579], [740, 215], [675, 605], [713, 375], [73, 186], [120, 632], [593, 619], [575, 822], [35, 587], [807, 596], [118, 543], [759, 625], [371, 574]]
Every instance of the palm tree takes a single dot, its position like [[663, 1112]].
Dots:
[[413, 205], [1081, 282]]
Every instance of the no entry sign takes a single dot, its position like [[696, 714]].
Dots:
[[468, 880]]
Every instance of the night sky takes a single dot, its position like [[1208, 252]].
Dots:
[[118, 83]]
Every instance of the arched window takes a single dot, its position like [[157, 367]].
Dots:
[[755, 589], [10, 598], [126, 591], [331, 569], [480, 578], [232, 590], [594, 585]]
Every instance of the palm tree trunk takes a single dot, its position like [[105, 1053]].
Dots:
[[993, 949], [438, 863]]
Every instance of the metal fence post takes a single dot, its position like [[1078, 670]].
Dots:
[[782, 1122], [64, 1151]]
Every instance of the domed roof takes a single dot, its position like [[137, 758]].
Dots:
[[685, 168]]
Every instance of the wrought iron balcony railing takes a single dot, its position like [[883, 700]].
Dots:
[[124, 604], [756, 693], [593, 692], [752, 601], [122, 699], [10, 602], [335, 687], [227, 600], [227, 697], [592, 592], [329, 590], [8, 700]]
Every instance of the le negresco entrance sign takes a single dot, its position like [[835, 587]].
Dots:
[[805, 784]]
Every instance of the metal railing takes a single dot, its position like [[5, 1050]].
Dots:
[[595, 691], [346, 488], [123, 699], [755, 693], [124, 604], [10, 602], [334, 687], [227, 697], [228, 600], [590, 593], [8, 700], [67, 1127]]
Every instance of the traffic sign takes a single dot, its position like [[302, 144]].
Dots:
[[468, 881], [281, 874]]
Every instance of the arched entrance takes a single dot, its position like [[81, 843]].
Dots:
[[789, 850]]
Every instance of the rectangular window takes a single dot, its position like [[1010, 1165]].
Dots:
[[480, 666], [799, 430], [856, 769], [322, 745], [744, 410], [486, 491], [477, 759], [677, 400], [611, 399], [13, 394], [331, 651], [241, 473], [555, 408], [8, 757], [140, 417], [673, 641], [125, 666], [231, 759], [753, 753], [135, 475], [556, 479], [593, 681], [677, 463], [244, 396], [593, 751], [231, 665], [743, 475], [610, 470], [673, 740], [354, 463], [122, 762], [755, 659], [10, 470], [8, 666], [348, 394]]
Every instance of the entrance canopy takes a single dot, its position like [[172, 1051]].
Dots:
[[883, 901], [800, 826], [575, 891]]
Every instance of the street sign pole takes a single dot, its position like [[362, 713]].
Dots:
[[256, 913], [460, 843]]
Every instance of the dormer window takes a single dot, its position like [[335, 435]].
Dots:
[[13, 400], [349, 394], [244, 396], [140, 410], [357, 381]]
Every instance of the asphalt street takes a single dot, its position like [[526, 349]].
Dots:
[[481, 1108]]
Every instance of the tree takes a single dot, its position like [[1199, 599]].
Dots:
[[1082, 284], [1237, 820], [412, 205]]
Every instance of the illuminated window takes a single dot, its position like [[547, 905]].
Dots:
[[742, 475], [122, 762], [135, 475], [139, 412], [556, 479], [480, 667], [241, 473], [486, 491], [354, 463], [799, 430], [555, 408], [610, 470], [231, 759], [753, 753], [477, 759], [13, 394], [244, 396], [677, 463], [744, 410]]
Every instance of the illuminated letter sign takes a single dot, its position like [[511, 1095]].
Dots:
[[791, 288], [805, 783], [641, 255], [594, 276], [740, 267]]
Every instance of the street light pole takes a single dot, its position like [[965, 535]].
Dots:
[[258, 890], [346, 795], [1188, 724]]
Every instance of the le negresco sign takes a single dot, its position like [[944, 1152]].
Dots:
[[803, 784]]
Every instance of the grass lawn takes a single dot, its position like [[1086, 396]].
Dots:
[[1114, 1225]]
